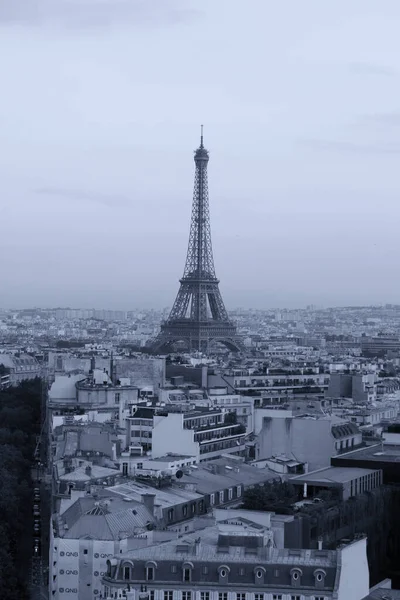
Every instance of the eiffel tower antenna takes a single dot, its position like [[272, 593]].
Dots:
[[198, 317]]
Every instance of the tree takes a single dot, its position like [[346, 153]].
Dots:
[[20, 419]]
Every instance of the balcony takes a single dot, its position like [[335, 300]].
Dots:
[[217, 433]]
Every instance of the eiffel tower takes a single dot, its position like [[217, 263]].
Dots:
[[198, 317]]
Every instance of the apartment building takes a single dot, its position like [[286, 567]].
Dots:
[[240, 564], [200, 433], [20, 367], [82, 538], [298, 437]]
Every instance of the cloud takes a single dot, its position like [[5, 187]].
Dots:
[[83, 195], [350, 147], [372, 69], [88, 14], [385, 118]]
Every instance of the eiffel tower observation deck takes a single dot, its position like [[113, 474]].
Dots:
[[198, 318]]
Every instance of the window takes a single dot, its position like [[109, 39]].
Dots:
[[259, 573], [319, 597], [186, 596], [223, 572], [169, 595], [295, 575], [295, 597], [221, 497], [184, 510], [127, 573], [239, 491], [230, 493], [173, 569], [193, 508], [276, 596], [85, 551], [204, 570], [170, 514], [258, 596], [319, 576], [240, 596], [152, 594], [276, 574], [223, 596], [150, 574], [204, 595], [242, 571], [116, 398], [212, 499], [125, 469], [187, 573]]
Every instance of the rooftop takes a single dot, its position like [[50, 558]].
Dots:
[[103, 520], [165, 498], [83, 474], [208, 550], [378, 453], [224, 473], [170, 457], [331, 475], [383, 594]]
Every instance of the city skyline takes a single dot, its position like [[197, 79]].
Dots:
[[96, 171]]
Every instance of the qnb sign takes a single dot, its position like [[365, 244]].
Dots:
[[97, 555], [68, 554], [68, 590]]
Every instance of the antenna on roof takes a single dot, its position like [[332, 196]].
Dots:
[[201, 137]]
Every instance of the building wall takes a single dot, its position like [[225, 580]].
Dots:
[[170, 436], [354, 572], [298, 438], [340, 385], [76, 574], [260, 413], [143, 372], [106, 396]]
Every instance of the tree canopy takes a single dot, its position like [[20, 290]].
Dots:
[[20, 417]]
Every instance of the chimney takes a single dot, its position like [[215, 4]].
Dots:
[[92, 364], [148, 501], [88, 470], [320, 541]]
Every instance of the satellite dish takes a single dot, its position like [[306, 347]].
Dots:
[[179, 474]]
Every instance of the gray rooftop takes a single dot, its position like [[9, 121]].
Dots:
[[383, 594], [224, 473], [331, 475], [378, 453], [207, 550], [104, 520], [165, 497]]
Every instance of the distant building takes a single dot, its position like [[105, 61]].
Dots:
[[21, 367], [361, 387], [380, 346]]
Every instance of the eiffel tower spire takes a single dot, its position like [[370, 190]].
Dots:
[[199, 317]]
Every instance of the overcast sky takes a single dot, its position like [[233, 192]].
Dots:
[[100, 109]]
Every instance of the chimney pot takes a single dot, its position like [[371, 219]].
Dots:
[[148, 500]]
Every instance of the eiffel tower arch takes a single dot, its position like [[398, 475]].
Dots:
[[198, 318]]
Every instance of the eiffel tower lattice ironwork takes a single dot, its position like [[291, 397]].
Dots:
[[198, 317]]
